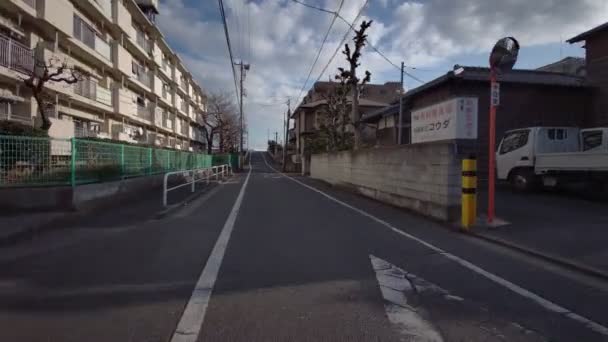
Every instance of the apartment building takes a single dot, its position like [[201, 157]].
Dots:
[[136, 88]]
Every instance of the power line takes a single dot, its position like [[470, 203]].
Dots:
[[312, 67], [223, 15], [351, 27], [314, 7]]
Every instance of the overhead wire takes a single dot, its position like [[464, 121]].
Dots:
[[227, 34], [351, 27], [312, 67]]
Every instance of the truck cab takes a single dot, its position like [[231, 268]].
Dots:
[[517, 151]]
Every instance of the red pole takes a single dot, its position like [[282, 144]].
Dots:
[[491, 151]]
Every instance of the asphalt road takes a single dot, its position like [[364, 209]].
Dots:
[[264, 257]]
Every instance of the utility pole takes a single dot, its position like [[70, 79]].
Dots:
[[400, 132], [287, 115], [243, 67], [276, 143]]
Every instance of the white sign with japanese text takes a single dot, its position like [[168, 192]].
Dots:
[[448, 120]]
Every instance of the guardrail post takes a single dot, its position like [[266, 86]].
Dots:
[[469, 190], [73, 163]]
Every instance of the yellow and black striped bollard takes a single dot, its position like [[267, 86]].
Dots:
[[469, 192]]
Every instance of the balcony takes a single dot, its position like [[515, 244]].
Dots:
[[16, 56], [143, 42], [141, 74], [31, 3], [144, 113], [86, 88], [106, 7], [89, 88], [184, 106]]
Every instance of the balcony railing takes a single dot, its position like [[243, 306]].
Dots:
[[142, 75], [16, 56], [184, 107], [183, 84], [86, 88], [144, 113], [31, 3], [140, 39]]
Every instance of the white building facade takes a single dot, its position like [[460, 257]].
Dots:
[[136, 88]]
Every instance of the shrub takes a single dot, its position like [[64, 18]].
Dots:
[[16, 128]]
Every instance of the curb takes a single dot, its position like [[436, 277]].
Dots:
[[572, 265]]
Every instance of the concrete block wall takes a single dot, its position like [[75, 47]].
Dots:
[[425, 178]]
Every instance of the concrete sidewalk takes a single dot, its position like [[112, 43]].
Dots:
[[564, 226]]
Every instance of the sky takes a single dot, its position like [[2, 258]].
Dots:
[[280, 39]]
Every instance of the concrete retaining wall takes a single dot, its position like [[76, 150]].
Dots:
[[82, 196], [425, 178]]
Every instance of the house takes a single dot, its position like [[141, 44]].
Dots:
[[528, 98], [136, 87], [569, 65], [372, 97], [596, 59]]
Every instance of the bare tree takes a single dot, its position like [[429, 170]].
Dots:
[[229, 132], [54, 70], [220, 110], [351, 76], [333, 118]]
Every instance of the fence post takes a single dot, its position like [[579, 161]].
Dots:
[[149, 160], [73, 163], [122, 161], [168, 160]]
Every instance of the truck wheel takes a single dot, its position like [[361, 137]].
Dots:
[[523, 180]]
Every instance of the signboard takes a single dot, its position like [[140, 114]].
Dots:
[[495, 94], [448, 120]]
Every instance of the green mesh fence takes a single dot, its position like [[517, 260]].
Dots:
[[30, 161]]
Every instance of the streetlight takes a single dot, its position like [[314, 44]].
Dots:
[[502, 59]]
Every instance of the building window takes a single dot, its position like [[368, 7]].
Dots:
[[141, 101], [84, 32]]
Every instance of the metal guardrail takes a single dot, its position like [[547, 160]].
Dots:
[[204, 174]]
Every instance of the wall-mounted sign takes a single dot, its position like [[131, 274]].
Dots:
[[495, 94], [448, 120]]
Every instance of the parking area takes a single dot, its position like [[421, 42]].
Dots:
[[570, 224]]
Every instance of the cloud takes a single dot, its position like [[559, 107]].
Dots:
[[285, 37]]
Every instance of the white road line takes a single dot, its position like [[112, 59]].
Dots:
[[190, 324], [394, 285], [497, 279]]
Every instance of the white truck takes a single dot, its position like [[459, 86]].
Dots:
[[553, 155]]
